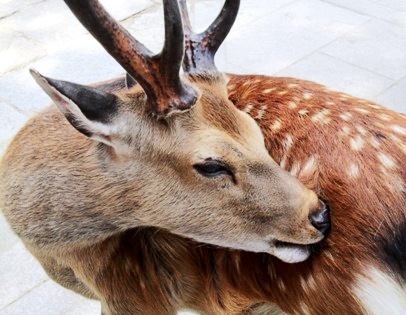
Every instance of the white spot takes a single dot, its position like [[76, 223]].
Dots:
[[261, 112], [387, 161], [295, 169], [402, 147], [330, 103], [276, 125], [282, 285], [384, 117], [399, 142], [346, 116], [303, 112], [353, 170], [379, 294], [398, 129], [375, 143], [292, 104], [361, 110], [283, 93], [330, 257], [374, 106], [303, 283], [292, 85], [271, 271], [282, 164], [267, 91], [394, 138], [345, 130], [248, 108], [321, 117], [310, 166], [361, 130], [307, 96], [305, 309], [287, 143], [311, 282], [379, 125], [357, 143], [393, 181]]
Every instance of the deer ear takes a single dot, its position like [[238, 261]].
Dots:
[[87, 109], [129, 81]]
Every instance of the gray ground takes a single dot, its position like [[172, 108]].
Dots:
[[357, 46]]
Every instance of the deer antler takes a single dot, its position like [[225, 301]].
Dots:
[[157, 74], [201, 48]]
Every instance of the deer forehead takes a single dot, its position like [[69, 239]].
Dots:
[[214, 127], [218, 127]]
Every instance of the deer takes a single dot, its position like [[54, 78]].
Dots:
[[347, 151], [173, 153]]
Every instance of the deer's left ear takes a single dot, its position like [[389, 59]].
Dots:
[[88, 109]]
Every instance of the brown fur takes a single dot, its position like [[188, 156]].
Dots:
[[155, 272], [115, 211], [73, 200]]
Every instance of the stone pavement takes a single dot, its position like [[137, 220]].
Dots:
[[358, 47]]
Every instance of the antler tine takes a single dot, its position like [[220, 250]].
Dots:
[[201, 48], [157, 74], [171, 54], [187, 28]]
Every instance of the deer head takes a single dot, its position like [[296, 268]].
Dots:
[[175, 150]]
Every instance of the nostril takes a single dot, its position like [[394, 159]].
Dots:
[[320, 218]]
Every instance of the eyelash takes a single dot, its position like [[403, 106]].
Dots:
[[213, 168]]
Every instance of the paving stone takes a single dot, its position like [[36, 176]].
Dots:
[[19, 273], [82, 61], [50, 298], [394, 97], [377, 46], [10, 121], [7, 238], [338, 75], [19, 89], [277, 40], [388, 10], [17, 50], [148, 27], [202, 13], [395, 4], [50, 23], [123, 9], [9, 7]]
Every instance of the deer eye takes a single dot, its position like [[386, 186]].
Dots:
[[212, 168]]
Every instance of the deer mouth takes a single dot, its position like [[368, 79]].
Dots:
[[291, 252]]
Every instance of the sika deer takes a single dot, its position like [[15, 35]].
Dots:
[[350, 151], [78, 184]]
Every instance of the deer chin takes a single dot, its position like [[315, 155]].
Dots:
[[285, 251], [290, 252]]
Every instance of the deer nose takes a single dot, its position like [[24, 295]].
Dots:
[[320, 219]]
